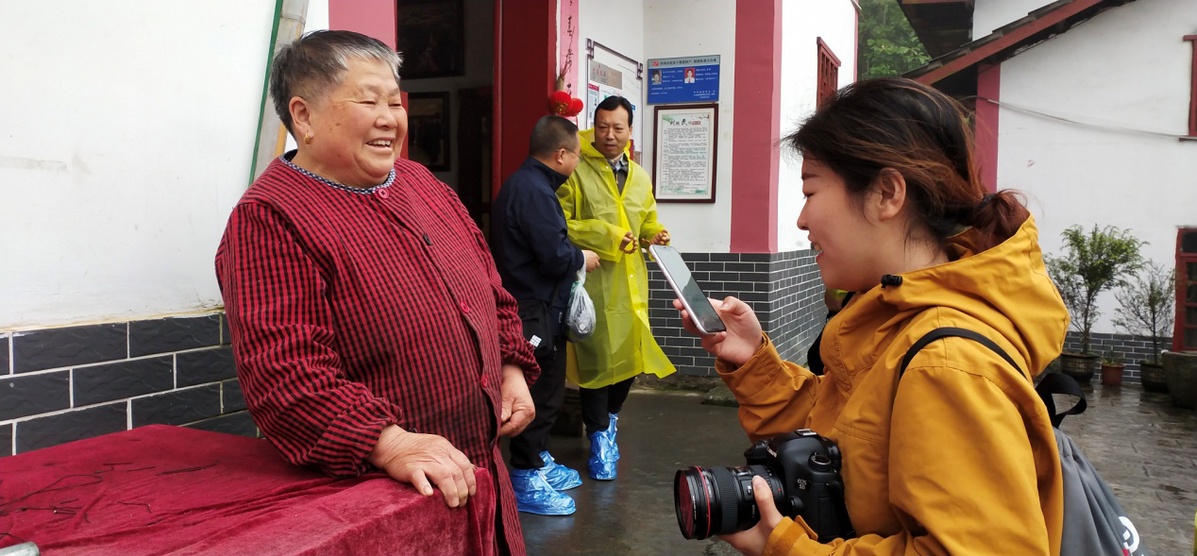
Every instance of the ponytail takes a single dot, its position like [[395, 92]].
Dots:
[[998, 216]]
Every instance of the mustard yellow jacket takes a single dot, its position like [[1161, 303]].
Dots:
[[597, 216], [958, 457]]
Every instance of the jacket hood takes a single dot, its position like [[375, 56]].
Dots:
[[1005, 288], [586, 137]]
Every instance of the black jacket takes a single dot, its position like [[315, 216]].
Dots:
[[528, 236]]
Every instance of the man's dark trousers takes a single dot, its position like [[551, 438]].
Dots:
[[599, 403], [548, 393]]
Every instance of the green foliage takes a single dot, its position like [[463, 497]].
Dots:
[[1092, 263], [888, 45], [1146, 305], [1111, 357]]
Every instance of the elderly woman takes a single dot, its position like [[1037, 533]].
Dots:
[[369, 325]]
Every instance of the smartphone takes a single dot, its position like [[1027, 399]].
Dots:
[[693, 299]]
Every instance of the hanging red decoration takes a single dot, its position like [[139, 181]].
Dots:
[[563, 104]]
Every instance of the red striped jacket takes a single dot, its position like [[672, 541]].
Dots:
[[353, 310]]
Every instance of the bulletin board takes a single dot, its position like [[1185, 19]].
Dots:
[[684, 152], [609, 73]]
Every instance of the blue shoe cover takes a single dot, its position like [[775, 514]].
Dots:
[[612, 429], [603, 456], [534, 495], [559, 476]]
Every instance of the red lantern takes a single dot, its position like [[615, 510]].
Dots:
[[562, 104]]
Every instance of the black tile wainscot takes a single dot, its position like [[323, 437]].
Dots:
[[64, 347], [74, 382], [783, 289], [5, 348]]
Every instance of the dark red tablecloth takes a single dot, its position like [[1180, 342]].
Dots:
[[161, 489]]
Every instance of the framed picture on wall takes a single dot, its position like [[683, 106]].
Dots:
[[684, 153], [430, 37], [428, 129]]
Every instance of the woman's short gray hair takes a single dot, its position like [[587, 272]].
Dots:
[[317, 62]]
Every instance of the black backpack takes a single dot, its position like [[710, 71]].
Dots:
[[1094, 521]]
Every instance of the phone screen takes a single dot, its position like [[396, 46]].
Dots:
[[693, 299]]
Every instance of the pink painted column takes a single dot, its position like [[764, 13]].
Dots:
[[375, 18], [989, 86], [567, 55], [755, 155]]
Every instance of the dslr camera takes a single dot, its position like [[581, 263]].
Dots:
[[803, 472]]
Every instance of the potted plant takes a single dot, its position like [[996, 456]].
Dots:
[[1112, 369], [1092, 263], [1146, 309]]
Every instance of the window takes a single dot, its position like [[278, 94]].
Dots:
[[1184, 336], [829, 72], [1193, 88]]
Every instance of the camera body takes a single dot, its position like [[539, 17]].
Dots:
[[809, 467], [802, 469]]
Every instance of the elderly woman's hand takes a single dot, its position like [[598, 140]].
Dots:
[[423, 460], [743, 336], [518, 409]]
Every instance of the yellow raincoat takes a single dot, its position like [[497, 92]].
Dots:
[[598, 216]]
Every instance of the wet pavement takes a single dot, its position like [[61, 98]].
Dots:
[[1145, 448]]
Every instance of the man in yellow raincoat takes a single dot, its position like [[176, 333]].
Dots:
[[609, 209]]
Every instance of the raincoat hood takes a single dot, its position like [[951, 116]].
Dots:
[[1005, 288], [586, 137]]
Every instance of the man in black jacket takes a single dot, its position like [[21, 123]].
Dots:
[[538, 264]]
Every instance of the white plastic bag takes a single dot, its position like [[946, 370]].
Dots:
[[579, 315]]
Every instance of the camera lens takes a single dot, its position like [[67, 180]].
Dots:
[[718, 500]]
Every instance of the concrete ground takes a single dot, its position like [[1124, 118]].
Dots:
[[1144, 447]]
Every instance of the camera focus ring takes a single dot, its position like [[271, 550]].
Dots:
[[729, 502]]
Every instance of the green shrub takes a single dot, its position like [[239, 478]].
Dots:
[[1092, 263], [1146, 306]]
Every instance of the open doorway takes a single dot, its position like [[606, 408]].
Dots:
[[496, 78], [448, 75]]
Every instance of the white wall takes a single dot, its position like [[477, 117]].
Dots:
[[128, 131], [315, 20], [317, 17], [1126, 69], [710, 28], [991, 14], [803, 24]]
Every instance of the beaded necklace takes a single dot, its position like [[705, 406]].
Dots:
[[286, 158]]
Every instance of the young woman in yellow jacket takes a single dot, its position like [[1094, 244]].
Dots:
[[958, 456]]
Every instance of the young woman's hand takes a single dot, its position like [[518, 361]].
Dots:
[[752, 541], [742, 338]]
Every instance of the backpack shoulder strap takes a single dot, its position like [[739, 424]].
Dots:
[[1059, 384], [952, 331], [1050, 385]]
